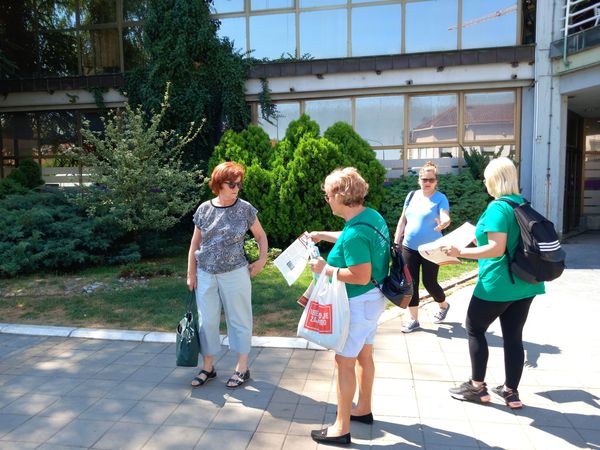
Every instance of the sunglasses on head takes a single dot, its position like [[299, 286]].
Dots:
[[234, 184]]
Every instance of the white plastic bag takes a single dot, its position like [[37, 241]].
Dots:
[[326, 319]]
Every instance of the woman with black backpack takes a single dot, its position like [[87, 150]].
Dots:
[[497, 294]]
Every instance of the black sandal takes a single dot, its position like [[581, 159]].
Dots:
[[238, 378], [202, 381]]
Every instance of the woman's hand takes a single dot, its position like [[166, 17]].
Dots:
[[191, 282], [450, 250], [443, 221], [314, 236], [317, 264], [256, 267]]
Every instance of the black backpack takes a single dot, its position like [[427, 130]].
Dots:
[[539, 256]]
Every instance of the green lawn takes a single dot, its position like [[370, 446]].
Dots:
[[148, 303]]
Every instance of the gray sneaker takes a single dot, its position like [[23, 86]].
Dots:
[[441, 314], [412, 326]]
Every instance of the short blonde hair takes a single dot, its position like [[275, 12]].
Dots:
[[501, 177], [349, 184], [428, 167]]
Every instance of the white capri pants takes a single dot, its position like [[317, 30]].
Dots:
[[233, 291], [365, 310]]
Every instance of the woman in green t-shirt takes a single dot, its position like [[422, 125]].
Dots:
[[360, 254], [496, 294]]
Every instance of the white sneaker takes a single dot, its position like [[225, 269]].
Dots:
[[412, 326]]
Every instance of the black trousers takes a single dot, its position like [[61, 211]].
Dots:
[[513, 314], [416, 263]]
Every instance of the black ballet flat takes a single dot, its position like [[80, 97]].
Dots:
[[321, 437], [365, 418]]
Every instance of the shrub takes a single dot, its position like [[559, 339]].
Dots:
[[358, 153], [9, 186], [43, 231], [137, 171], [27, 174], [284, 182]]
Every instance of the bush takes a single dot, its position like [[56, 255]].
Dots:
[[467, 196], [284, 182], [9, 186], [137, 171], [43, 231], [28, 174]]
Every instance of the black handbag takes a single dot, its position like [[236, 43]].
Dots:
[[187, 342], [397, 287]]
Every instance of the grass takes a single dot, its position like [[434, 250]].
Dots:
[[152, 300]]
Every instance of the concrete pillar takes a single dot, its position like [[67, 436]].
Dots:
[[550, 121]]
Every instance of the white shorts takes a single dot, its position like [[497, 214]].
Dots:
[[364, 315]]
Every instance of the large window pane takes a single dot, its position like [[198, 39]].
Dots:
[[273, 36], [286, 112], [490, 116], [98, 11], [432, 118], [431, 25], [311, 3], [323, 34], [234, 29], [133, 48], [58, 53], [227, 6], [57, 135], [380, 120], [492, 23], [100, 51], [134, 10], [63, 16], [376, 30], [256, 5], [328, 112]]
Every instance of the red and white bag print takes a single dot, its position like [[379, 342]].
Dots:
[[326, 318]]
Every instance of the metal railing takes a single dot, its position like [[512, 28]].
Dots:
[[579, 15]]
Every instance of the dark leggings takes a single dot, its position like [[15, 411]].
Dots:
[[414, 261], [513, 314]]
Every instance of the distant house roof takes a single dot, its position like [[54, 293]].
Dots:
[[476, 115]]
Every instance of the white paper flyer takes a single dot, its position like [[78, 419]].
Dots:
[[293, 260], [459, 238]]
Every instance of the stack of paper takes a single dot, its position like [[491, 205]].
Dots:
[[459, 238]]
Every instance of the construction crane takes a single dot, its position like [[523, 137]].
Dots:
[[500, 12]]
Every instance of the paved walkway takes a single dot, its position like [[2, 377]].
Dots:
[[75, 392]]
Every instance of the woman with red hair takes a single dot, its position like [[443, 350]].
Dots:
[[219, 271]]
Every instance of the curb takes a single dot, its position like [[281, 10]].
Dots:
[[166, 337]]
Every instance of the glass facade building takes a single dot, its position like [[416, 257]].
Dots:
[[419, 80]]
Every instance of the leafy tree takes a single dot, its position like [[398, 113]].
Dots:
[[207, 75], [137, 171]]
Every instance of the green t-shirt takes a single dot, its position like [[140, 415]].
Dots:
[[494, 282], [360, 244]]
